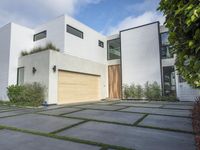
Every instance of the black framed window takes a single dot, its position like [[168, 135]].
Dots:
[[166, 51], [40, 36], [169, 81], [101, 44], [74, 31], [20, 76], [113, 49]]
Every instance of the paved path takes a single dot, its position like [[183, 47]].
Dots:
[[138, 125]]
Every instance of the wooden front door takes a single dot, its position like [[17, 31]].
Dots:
[[114, 80]]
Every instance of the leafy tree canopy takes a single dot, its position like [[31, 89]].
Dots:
[[183, 22]]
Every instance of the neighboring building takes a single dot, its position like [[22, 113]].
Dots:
[[89, 66]]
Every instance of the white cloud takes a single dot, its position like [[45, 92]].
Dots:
[[31, 12], [133, 21]]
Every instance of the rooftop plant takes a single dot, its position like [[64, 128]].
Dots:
[[40, 48]]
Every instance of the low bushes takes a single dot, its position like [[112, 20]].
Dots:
[[137, 91], [151, 91], [196, 121], [39, 49], [28, 94]]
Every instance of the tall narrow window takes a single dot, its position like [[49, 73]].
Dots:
[[20, 76], [114, 49], [40, 36], [169, 81], [74, 31], [165, 47]]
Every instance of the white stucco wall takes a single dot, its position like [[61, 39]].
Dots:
[[41, 63], [87, 47], [140, 55], [13, 39], [4, 59], [44, 62], [55, 32], [21, 39]]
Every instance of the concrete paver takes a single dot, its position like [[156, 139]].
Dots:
[[102, 107], [176, 123], [12, 140], [131, 137], [110, 116], [178, 106], [39, 123], [140, 105], [173, 112], [60, 111]]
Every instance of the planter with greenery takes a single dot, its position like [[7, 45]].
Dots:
[[48, 46], [27, 94], [151, 91]]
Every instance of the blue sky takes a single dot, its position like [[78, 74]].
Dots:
[[105, 16]]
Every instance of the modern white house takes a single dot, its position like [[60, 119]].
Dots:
[[89, 66]]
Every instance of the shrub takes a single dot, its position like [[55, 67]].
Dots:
[[126, 91], [152, 91], [28, 94], [138, 91], [39, 49]]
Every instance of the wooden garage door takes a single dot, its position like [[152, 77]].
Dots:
[[77, 87]]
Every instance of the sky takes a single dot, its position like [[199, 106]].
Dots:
[[105, 16]]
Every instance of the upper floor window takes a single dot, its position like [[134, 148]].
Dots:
[[165, 47], [114, 49], [101, 44], [74, 31], [164, 38], [40, 35]]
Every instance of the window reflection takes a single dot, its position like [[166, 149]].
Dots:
[[114, 49], [165, 47]]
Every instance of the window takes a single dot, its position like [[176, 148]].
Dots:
[[169, 81], [101, 44], [114, 49], [165, 47], [40, 36], [20, 76], [74, 31]]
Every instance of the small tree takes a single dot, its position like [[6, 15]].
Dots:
[[155, 90], [126, 91], [183, 22], [132, 90], [138, 91], [147, 91]]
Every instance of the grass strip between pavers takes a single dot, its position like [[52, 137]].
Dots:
[[161, 107], [165, 129], [141, 119], [124, 124], [67, 138], [68, 127]]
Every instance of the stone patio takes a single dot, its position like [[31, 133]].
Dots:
[[138, 125]]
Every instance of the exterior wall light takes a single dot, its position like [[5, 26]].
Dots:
[[54, 68], [34, 70]]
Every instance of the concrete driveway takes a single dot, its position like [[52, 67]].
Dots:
[[103, 125]]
